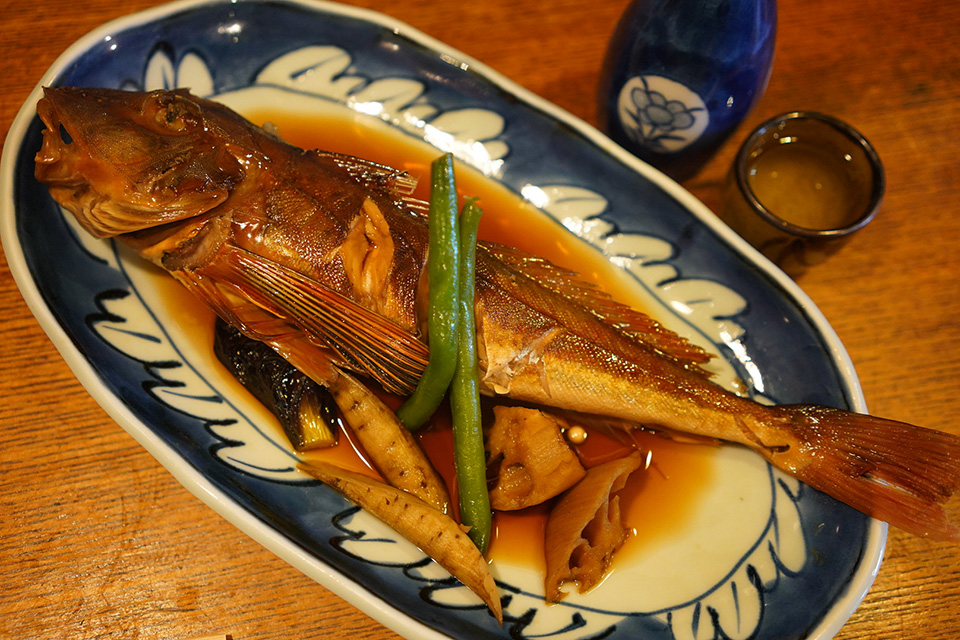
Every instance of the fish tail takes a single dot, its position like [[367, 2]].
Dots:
[[892, 471]]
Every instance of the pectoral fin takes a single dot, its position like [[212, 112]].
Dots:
[[364, 341]]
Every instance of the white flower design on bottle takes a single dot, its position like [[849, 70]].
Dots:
[[661, 114]]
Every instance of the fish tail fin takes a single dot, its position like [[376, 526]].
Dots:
[[892, 471]]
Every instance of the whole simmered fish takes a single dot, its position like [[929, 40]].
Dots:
[[322, 256]]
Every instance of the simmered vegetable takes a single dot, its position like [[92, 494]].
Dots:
[[443, 273], [531, 458], [438, 535], [305, 409], [453, 345], [468, 451], [392, 449], [584, 528]]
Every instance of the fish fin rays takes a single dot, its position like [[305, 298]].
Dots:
[[362, 340], [872, 465], [631, 323], [396, 184]]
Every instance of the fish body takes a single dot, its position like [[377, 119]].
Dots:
[[322, 257]]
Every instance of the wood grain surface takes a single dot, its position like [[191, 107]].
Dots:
[[98, 541]]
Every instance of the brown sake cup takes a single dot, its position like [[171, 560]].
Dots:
[[801, 184]]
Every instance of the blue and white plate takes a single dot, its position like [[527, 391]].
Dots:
[[761, 557]]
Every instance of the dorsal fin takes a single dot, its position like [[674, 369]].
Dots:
[[629, 322], [396, 184]]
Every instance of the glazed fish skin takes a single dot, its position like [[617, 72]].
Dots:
[[136, 164], [317, 255], [229, 196], [156, 167]]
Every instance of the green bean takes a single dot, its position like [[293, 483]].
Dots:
[[468, 452], [443, 273], [452, 365]]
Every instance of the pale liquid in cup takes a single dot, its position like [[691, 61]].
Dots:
[[808, 185]]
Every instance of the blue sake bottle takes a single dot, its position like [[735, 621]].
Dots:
[[680, 75]]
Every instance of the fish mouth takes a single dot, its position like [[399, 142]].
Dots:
[[120, 163], [53, 165], [58, 165]]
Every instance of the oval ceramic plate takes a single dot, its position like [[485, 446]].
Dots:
[[762, 556]]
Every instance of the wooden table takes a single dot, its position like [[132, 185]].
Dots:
[[98, 541]]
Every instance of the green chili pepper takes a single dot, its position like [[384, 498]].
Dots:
[[468, 452], [443, 273]]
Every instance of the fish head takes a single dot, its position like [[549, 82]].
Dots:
[[124, 161]]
